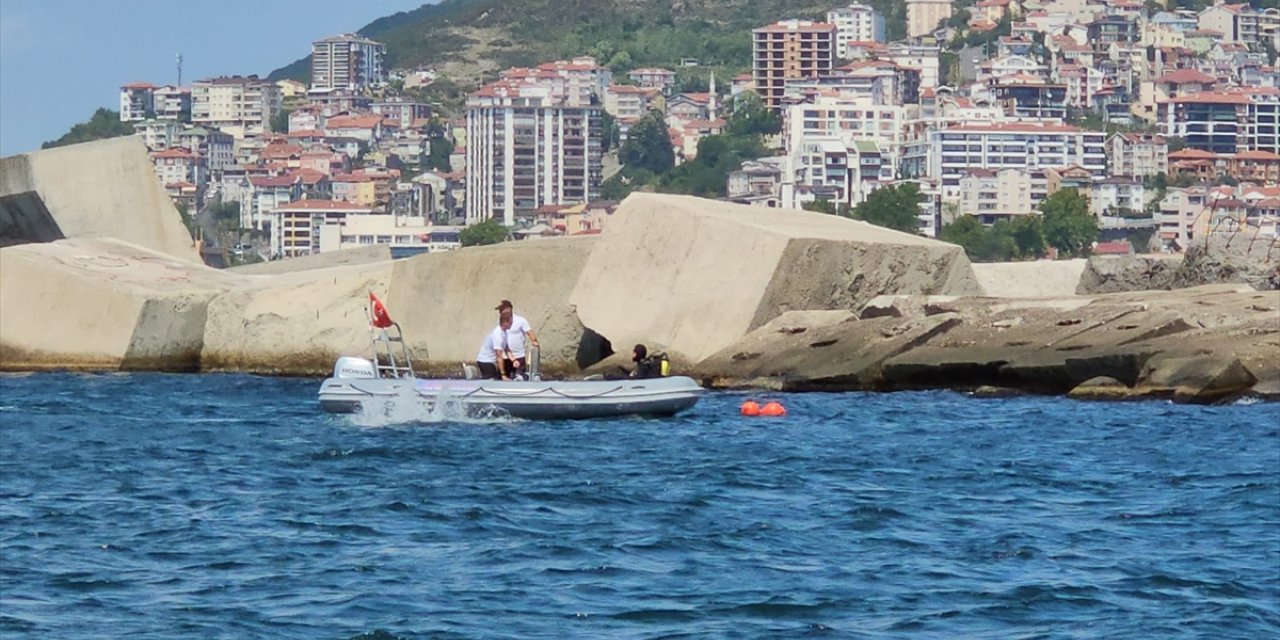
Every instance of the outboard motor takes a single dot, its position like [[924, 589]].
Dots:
[[357, 368]]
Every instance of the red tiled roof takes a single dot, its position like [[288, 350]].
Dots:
[[1186, 76], [174, 153], [1192, 154], [1256, 155], [139, 85], [323, 205], [1215, 97], [306, 133], [287, 180], [1119, 247], [354, 122]]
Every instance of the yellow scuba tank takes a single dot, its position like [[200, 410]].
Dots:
[[664, 365]]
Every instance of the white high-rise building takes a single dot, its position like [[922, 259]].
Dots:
[[347, 62], [855, 23], [527, 147], [239, 105]]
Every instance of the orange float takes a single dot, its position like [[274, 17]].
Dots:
[[773, 410], [749, 408]]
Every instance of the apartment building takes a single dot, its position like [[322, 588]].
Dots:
[[1227, 121], [406, 112], [238, 105], [924, 59], [137, 101], [629, 103], [1028, 146], [348, 62], [526, 149], [172, 103], [1115, 195], [306, 227], [1236, 22], [847, 120], [790, 49], [923, 16], [991, 195], [855, 23], [178, 165], [663, 80], [829, 168], [1137, 155]]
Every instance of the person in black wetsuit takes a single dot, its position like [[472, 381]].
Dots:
[[646, 367]]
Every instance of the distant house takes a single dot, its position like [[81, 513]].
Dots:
[[662, 79]]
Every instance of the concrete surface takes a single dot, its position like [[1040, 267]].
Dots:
[[695, 274], [105, 188], [1032, 279]]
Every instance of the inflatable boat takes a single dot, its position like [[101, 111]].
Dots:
[[387, 383]]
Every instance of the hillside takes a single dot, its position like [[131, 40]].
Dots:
[[467, 39]]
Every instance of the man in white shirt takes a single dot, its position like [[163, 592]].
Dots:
[[517, 333], [492, 357]]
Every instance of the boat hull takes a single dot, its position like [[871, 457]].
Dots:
[[547, 400]]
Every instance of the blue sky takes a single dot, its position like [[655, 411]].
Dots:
[[62, 59]]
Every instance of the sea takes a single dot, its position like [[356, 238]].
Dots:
[[230, 506]]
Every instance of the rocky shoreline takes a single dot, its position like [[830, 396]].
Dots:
[[738, 296]]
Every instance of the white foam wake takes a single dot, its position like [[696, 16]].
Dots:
[[409, 407]]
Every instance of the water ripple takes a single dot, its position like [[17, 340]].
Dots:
[[227, 506]]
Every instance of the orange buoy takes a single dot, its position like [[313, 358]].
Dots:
[[773, 409], [750, 408]]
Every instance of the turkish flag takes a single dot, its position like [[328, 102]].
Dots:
[[381, 319]]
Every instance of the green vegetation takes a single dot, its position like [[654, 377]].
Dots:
[[1068, 225], [487, 232], [896, 207], [645, 154], [648, 148], [1019, 239], [1065, 224], [104, 123], [441, 147], [280, 121], [622, 34]]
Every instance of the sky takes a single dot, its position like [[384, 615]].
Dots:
[[62, 59]]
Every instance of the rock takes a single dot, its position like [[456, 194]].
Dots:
[[881, 307], [1231, 258], [1117, 274], [1100, 388], [1197, 379], [99, 189], [706, 273], [838, 354], [989, 391]]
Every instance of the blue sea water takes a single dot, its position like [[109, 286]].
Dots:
[[218, 506]]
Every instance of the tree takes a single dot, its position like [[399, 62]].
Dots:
[[104, 123], [648, 146], [488, 232], [1176, 143], [896, 207], [438, 155], [1028, 236], [280, 121], [609, 129], [751, 117], [967, 232], [1068, 225]]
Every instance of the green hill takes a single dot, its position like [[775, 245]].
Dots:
[[469, 40]]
